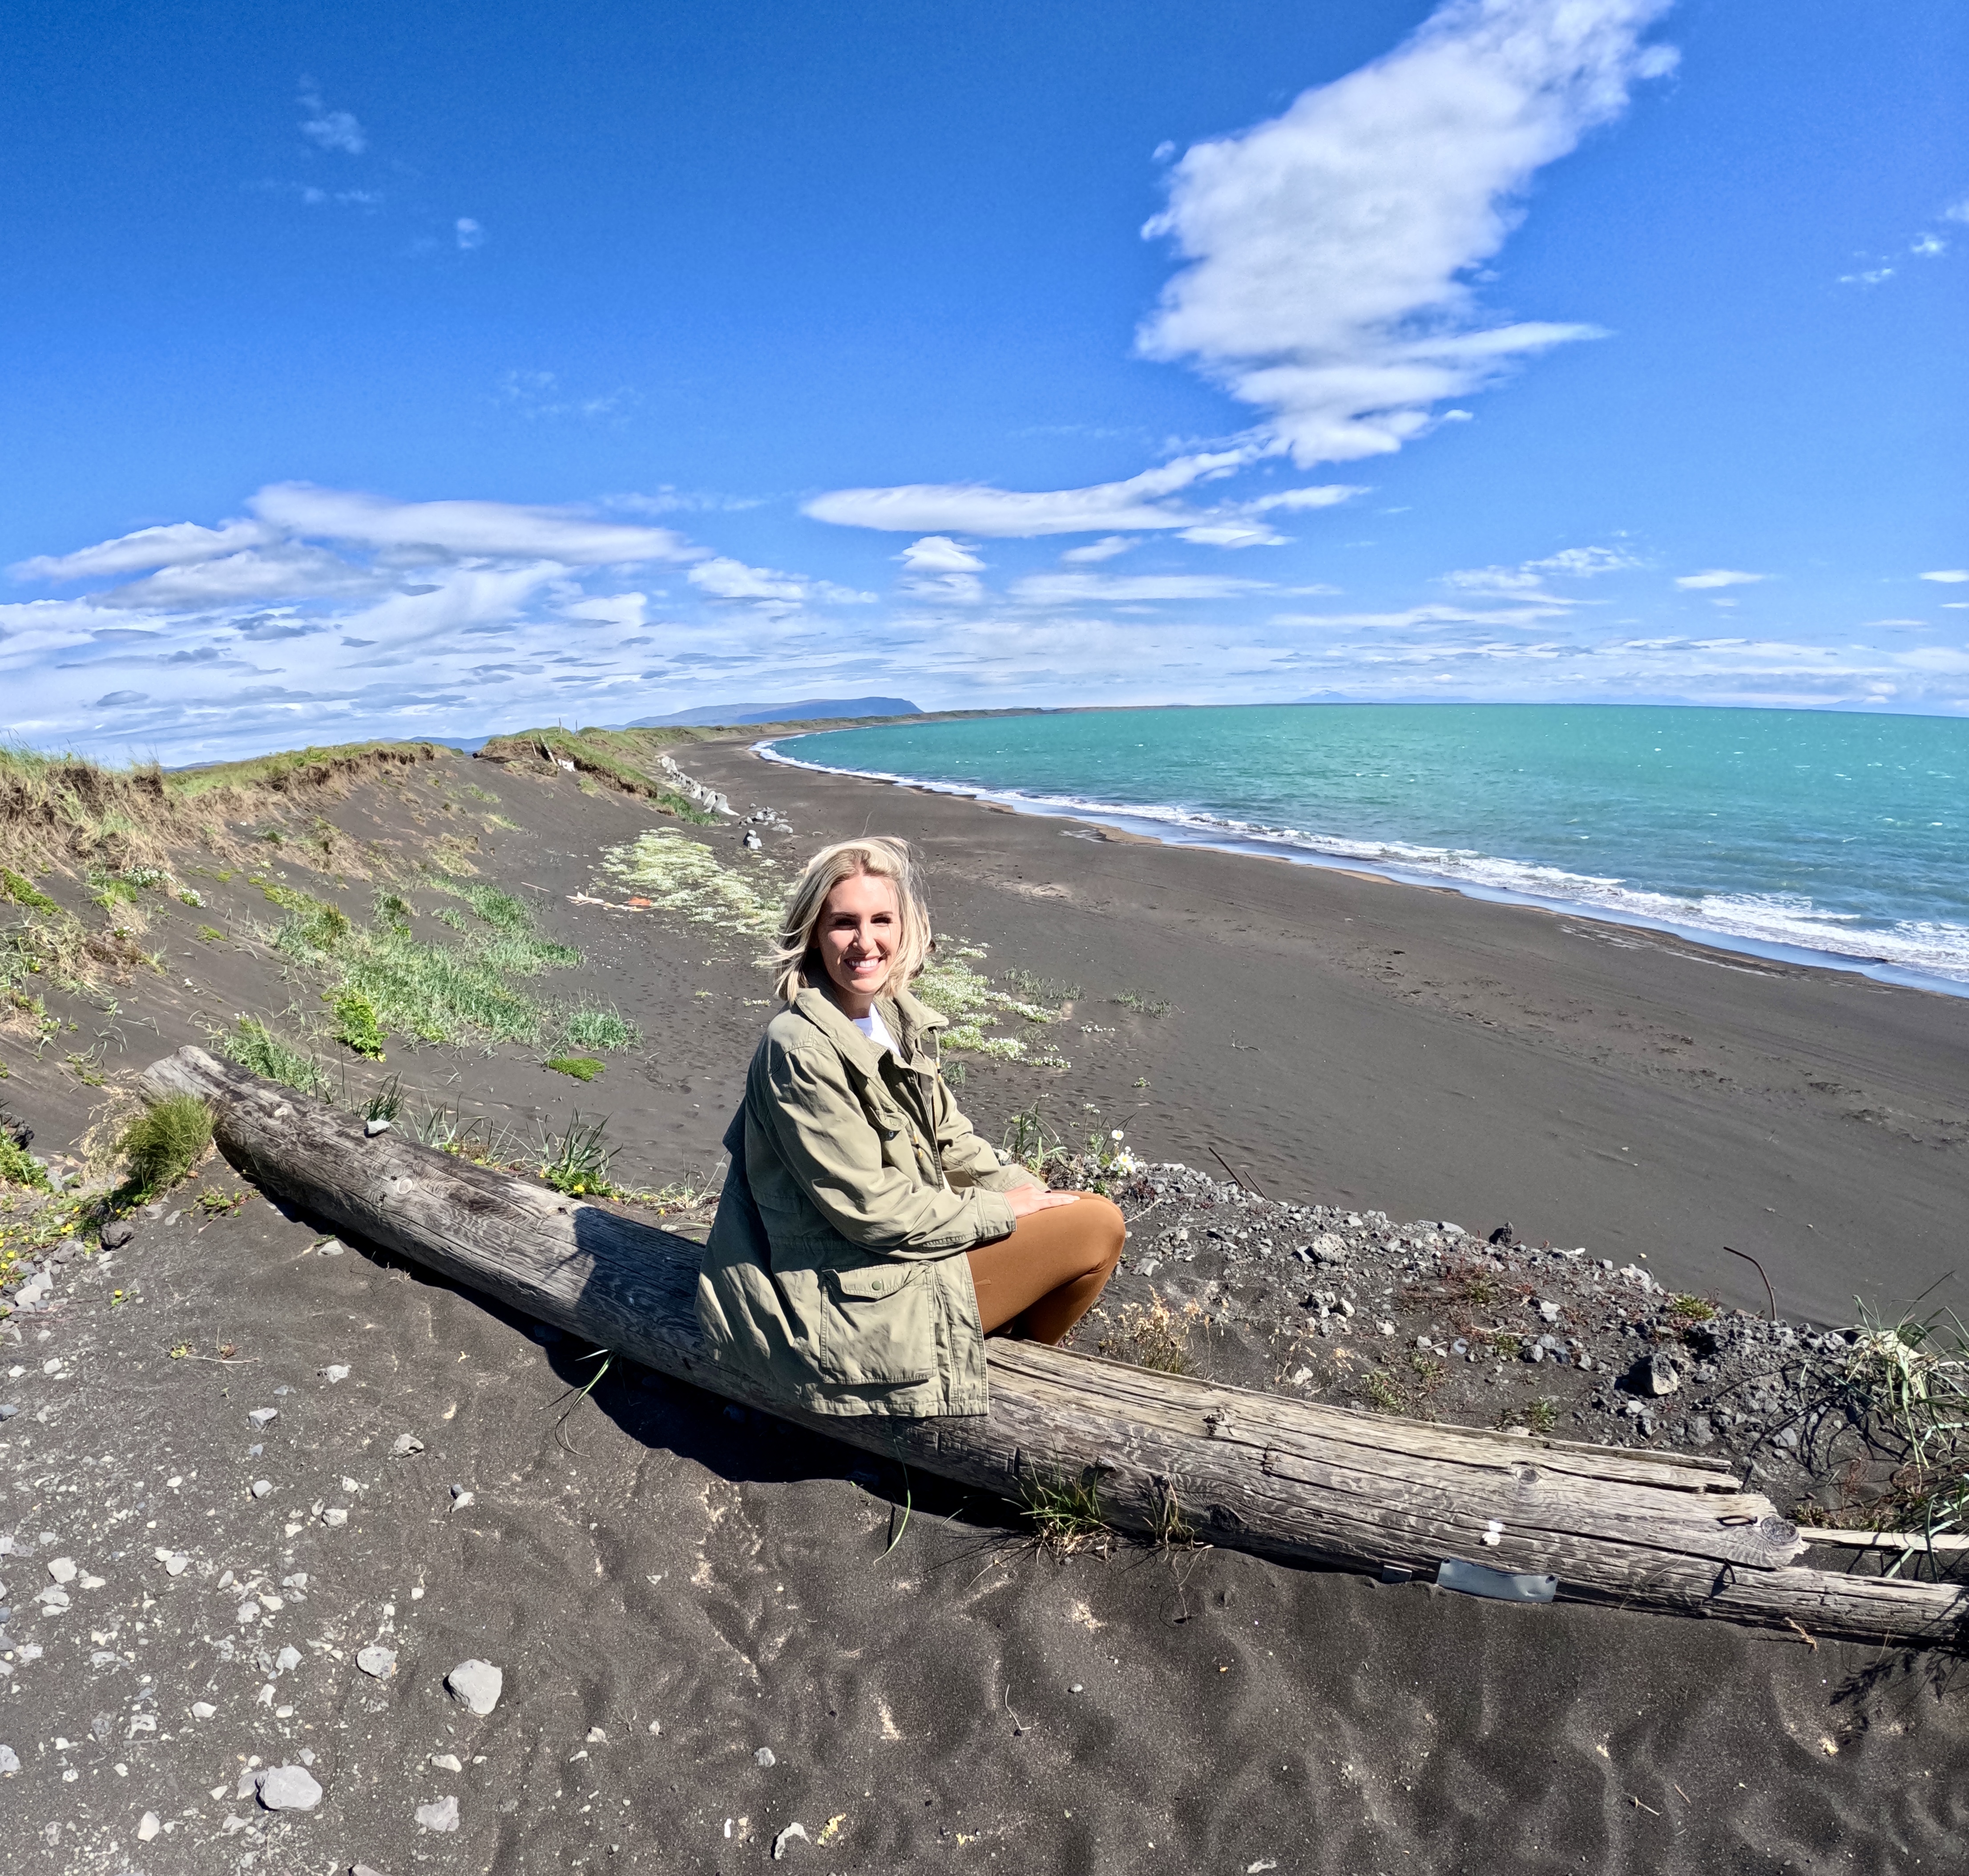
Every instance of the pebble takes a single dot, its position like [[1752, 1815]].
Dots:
[[53, 1599], [476, 1685], [63, 1569], [764, 1758], [288, 1660], [336, 1371], [786, 1836], [374, 1125], [442, 1816], [148, 1825], [335, 1516], [378, 1662], [289, 1788], [261, 1416], [261, 1487], [117, 1233], [1547, 1311], [407, 1444], [202, 1709], [8, 1409], [447, 1761], [9, 1761]]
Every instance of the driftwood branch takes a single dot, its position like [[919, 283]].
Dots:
[[1287, 1479]]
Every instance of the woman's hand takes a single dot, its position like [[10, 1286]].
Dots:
[[1026, 1199]]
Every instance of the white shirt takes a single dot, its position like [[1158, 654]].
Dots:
[[877, 1031]]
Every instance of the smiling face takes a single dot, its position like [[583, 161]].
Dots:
[[859, 927]]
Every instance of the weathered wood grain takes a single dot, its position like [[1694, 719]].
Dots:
[[1288, 1478]]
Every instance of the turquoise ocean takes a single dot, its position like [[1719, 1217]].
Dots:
[[1820, 837]]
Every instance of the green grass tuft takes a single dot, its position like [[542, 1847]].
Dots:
[[356, 1027], [576, 1162], [1067, 1513], [164, 1142], [598, 1029], [25, 892], [257, 1049], [582, 1067], [19, 1167]]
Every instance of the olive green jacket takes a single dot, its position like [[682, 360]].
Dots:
[[832, 1274]]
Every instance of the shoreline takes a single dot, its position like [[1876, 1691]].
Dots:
[[1348, 1040], [1184, 831]]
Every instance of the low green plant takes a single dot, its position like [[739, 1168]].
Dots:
[[256, 1048], [18, 1167], [598, 1029], [24, 892], [577, 1162], [163, 1142], [1381, 1393], [1066, 1514], [386, 1103], [356, 1027], [1542, 1415], [1692, 1309], [582, 1067], [1030, 1142], [191, 896], [1141, 1005], [1050, 991], [212, 934]]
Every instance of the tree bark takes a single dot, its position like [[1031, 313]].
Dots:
[[1287, 1479]]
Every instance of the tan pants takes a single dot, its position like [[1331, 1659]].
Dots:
[[1045, 1277]]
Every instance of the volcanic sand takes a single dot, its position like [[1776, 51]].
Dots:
[[645, 1558]]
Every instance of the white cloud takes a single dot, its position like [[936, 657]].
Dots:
[[332, 130], [1104, 549], [180, 544], [1949, 576], [498, 529], [1530, 615], [1233, 531], [469, 233], [1326, 495], [1928, 246], [292, 570], [1329, 249], [1529, 576], [723, 578], [1003, 513], [630, 610], [938, 553], [1868, 276], [1716, 576], [1584, 563], [1121, 590]]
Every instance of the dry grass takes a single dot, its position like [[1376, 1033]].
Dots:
[[1153, 1336]]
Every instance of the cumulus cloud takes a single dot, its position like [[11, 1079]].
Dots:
[[938, 553], [774, 594], [1329, 250], [1949, 576], [1716, 576], [469, 233], [330, 130]]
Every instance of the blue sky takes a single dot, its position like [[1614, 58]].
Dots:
[[422, 369]]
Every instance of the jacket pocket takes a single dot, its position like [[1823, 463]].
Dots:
[[877, 1325]]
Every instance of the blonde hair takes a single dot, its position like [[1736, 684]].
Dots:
[[875, 857]]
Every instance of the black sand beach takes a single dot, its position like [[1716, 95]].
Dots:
[[673, 1588]]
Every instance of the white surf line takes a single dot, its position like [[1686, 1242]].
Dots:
[[1172, 828]]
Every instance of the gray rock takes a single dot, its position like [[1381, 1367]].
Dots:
[[263, 1416], [440, 1816], [337, 1372], [475, 1686], [9, 1761], [764, 1758], [1654, 1374], [1547, 1311], [261, 1487], [117, 1233], [63, 1569], [8, 1409], [289, 1788], [406, 1445], [372, 1128], [379, 1663], [288, 1660], [786, 1836]]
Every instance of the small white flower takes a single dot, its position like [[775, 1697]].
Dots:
[[1117, 1133]]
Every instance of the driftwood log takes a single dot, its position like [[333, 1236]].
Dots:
[[1287, 1479]]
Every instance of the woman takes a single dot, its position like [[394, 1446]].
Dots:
[[868, 1240]]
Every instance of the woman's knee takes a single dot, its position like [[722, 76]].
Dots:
[[1108, 1228]]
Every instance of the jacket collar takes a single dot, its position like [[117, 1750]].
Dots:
[[910, 1020]]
